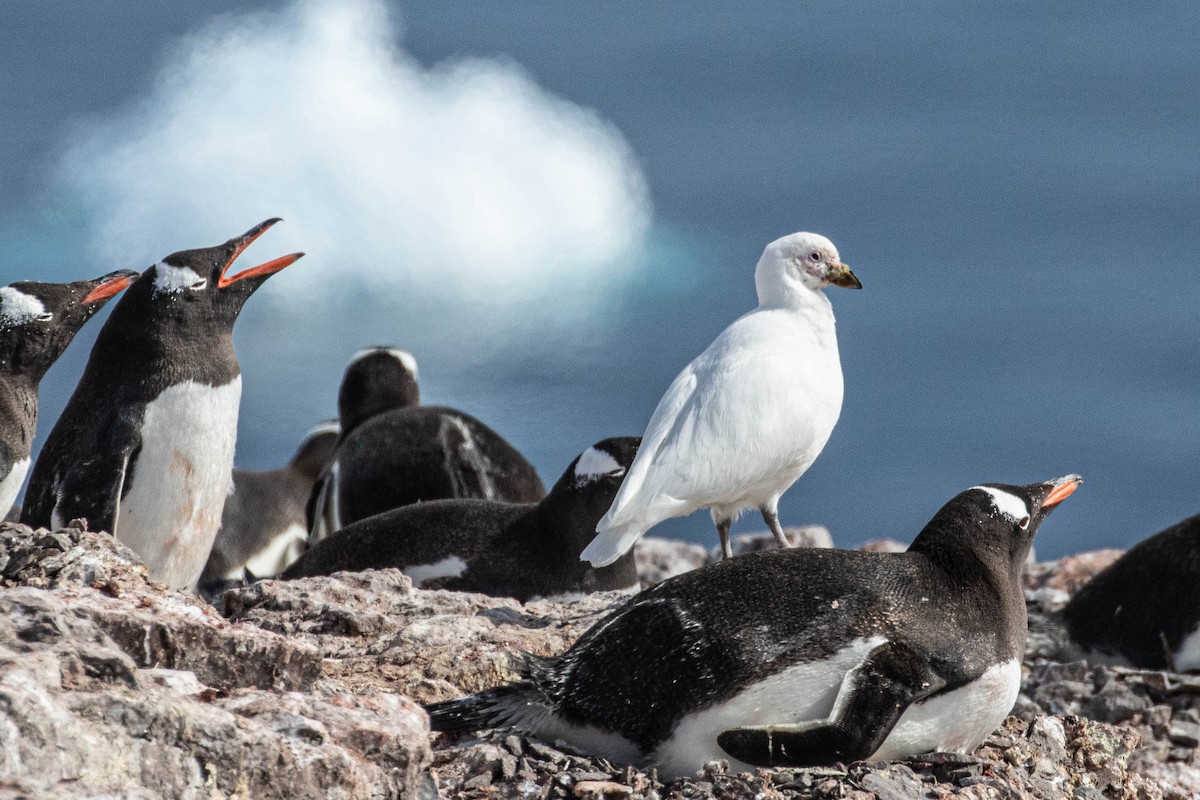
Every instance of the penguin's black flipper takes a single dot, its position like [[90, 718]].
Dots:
[[321, 511], [870, 702], [313, 508], [6, 461], [89, 489]]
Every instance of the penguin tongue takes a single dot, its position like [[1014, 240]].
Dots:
[[270, 267], [1064, 487], [110, 287]]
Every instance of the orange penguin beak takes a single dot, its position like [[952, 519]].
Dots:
[[268, 268], [1062, 488], [111, 286]]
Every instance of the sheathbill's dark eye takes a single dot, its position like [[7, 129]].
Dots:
[[814, 256]]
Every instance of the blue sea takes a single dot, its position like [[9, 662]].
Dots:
[[1017, 186]]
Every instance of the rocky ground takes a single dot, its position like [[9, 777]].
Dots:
[[112, 686]]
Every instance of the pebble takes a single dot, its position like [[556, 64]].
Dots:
[[1185, 734], [602, 788]]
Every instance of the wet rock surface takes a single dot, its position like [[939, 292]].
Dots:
[[111, 685]]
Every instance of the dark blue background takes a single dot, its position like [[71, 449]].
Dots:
[[1017, 186]]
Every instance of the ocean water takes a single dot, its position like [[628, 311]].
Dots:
[[1017, 186]]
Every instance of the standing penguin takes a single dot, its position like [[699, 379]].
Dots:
[[144, 448], [37, 322], [798, 657]]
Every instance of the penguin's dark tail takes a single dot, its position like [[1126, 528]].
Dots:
[[516, 704]]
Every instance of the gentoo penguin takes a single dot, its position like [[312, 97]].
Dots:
[[1144, 609], [798, 657], [394, 452], [37, 322], [377, 379], [263, 528], [749, 415], [521, 550], [144, 448]]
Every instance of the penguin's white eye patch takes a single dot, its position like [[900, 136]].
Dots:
[[18, 308], [171, 279], [595, 464], [406, 359], [1008, 505]]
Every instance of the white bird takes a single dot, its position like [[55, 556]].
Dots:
[[748, 416]]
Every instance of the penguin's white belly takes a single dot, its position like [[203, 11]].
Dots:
[[173, 499], [957, 721], [1187, 657], [10, 486], [799, 693]]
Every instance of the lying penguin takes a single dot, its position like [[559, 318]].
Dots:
[[1144, 609], [37, 322], [394, 452], [262, 526], [798, 657], [144, 448], [521, 550]]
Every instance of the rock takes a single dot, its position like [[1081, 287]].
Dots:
[[883, 546], [601, 789], [803, 536], [1070, 573], [1185, 734], [896, 782], [658, 559], [1115, 703], [112, 685], [372, 630], [154, 626]]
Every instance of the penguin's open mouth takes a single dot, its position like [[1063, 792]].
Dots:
[[1061, 489], [112, 283], [268, 268]]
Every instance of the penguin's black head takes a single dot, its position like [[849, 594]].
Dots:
[[377, 379], [39, 320], [194, 286], [316, 449], [995, 521], [596, 474], [585, 491]]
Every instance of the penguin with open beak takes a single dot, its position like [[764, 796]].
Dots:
[[144, 448], [37, 322]]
